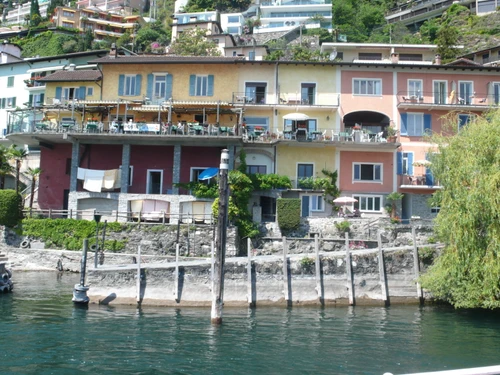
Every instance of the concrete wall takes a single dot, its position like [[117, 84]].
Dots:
[[267, 282]]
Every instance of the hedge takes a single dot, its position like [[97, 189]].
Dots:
[[11, 210], [288, 211]]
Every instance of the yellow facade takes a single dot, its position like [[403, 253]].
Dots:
[[225, 80], [50, 89], [288, 156]]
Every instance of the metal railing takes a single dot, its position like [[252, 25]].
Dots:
[[295, 2], [451, 97], [418, 180]]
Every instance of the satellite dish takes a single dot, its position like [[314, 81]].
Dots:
[[333, 55]]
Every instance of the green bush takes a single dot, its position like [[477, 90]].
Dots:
[[69, 233], [343, 226], [288, 210], [10, 208]]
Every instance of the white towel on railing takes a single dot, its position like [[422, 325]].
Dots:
[[81, 173], [109, 179], [93, 180]]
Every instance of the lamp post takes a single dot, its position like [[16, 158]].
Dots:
[[220, 242]]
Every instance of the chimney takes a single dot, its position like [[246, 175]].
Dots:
[[71, 67], [112, 52], [437, 59]]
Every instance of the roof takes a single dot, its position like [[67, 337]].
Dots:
[[166, 59], [73, 75], [463, 62]]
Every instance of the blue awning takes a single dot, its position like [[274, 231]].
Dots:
[[208, 173]]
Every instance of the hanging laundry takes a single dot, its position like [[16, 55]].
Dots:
[[93, 180], [109, 179], [81, 173]]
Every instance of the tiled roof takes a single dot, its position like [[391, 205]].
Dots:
[[463, 61], [166, 59], [73, 75]]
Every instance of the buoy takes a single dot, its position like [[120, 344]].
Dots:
[[25, 244], [93, 247]]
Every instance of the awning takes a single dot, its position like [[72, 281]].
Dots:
[[296, 116], [208, 173]]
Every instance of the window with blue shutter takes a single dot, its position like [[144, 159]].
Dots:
[[192, 85], [404, 119], [58, 92], [168, 89], [357, 168], [410, 163], [427, 124], [150, 85], [210, 90], [81, 92], [138, 84], [399, 160], [121, 84]]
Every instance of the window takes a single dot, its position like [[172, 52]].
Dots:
[[317, 203], [340, 56], [68, 14], [10, 81], [154, 183], [415, 88], [130, 84], [255, 92], [307, 91], [36, 100], [90, 91], [305, 170], [233, 30], [367, 172], [465, 92], [464, 119], [68, 166], [435, 210], [311, 125], [233, 19], [440, 92], [195, 173], [410, 57], [405, 163], [486, 57], [68, 24], [415, 124], [367, 87], [159, 86], [251, 122], [496, 92], [251, 55], [370, 56], [201, 85], [368, 203], [254, 169]]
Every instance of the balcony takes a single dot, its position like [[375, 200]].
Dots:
[[420, 10], [295, 2], [418, 182], [447, 101], [286, 99]]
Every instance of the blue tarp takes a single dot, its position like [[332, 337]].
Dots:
[[208, 173]]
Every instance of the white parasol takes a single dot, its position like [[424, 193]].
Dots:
[[296, 116], [422, 163], [344, 200]]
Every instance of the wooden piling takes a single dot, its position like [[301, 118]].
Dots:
[[416, 264], [176, 283], [319, 289], [250, 300], [348, 267], [286, 288], [138, 281], [381, 269]]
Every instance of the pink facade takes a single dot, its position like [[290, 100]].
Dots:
[[142, 158], [54, 180], [348, 184]]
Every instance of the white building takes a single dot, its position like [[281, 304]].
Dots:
[[20, 11]]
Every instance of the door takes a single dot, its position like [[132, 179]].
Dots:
[[440, 92], [154, 181], [465, 92], [65, 200], [305, 206]]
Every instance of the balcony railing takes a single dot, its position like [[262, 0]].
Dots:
[[249, 98], [418, 181], [295, 2], [292, 99], [447, 99]]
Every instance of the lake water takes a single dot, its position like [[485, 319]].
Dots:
[[42, 332]]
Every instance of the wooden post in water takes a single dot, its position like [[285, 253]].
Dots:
[[286, 287], [416, 264], [220, 241], [138, 281], [381, 269], [350, 281], [319, 289], [212, 265], [250, 300], [176, 283]]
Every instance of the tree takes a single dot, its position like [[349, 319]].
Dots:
[[35, 17], [34, 173], [194, 42], [447, 39], [467, 166], [18, 155], [5, 167]]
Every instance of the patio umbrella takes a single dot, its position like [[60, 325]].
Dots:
[[344, 200], [208, 173], [296, 116]]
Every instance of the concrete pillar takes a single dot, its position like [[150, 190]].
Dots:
[[231, 158], [176, 172], [75, 162], [125, 173]]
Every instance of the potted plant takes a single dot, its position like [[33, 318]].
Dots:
[[391, 133]]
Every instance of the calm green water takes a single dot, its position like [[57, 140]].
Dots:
[[43, 333]]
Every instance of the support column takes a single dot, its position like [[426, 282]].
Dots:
[[75, 162], [176, 171], [231, 157], [125, 173]]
